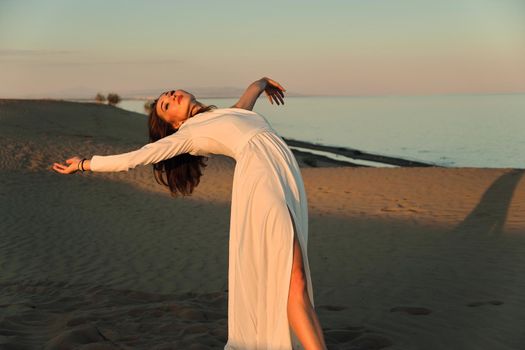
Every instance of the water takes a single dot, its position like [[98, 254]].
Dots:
[[452, 130]]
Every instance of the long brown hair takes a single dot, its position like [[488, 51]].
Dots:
[[182, 172]]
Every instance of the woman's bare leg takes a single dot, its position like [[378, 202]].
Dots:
[[301, 315]]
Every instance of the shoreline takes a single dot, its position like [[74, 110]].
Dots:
[[356, 154]]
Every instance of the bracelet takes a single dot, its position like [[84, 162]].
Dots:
[[81, 165]]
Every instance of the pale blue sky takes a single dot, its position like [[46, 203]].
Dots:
[[368, 47]]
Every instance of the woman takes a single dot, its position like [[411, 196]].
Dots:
[[270, 302]]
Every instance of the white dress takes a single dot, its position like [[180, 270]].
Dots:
[[266, 183]]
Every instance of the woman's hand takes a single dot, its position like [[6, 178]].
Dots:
[[68, 169], [273, 90]]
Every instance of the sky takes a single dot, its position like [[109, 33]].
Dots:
[[53, 48]]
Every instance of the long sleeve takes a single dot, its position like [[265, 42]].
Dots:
[[154, 152]]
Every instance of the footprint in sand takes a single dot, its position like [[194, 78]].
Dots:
[[354, 338], [479, 303], [399, 208], [411, 310], [331, 307], [342, 335]]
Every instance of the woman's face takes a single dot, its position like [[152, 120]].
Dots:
[[175, 106]]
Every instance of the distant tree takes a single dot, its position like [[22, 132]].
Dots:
[[113, 98], [100, 98], [147, 106]]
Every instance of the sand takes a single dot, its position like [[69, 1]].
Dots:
[[401, 258]]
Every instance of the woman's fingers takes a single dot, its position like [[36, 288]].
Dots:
[[272, 94], [62, 168], [280, 98], [274, 91], [279, 89], [59, 167], [276, 94]]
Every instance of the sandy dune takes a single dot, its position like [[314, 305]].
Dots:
[[401, 258]]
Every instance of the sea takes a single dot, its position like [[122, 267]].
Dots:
[[484, 130]]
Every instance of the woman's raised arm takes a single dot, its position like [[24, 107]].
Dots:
[[154, 152], [272, 89]]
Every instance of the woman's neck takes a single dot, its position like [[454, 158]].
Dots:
[[196, 108]]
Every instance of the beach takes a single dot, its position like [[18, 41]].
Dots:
[[401, 258]]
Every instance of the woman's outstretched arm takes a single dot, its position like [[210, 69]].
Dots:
[[272, 89], [154, 152]]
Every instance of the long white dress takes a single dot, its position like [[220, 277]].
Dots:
[[267, 189]]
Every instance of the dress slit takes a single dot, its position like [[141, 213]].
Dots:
[[296, 345]]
